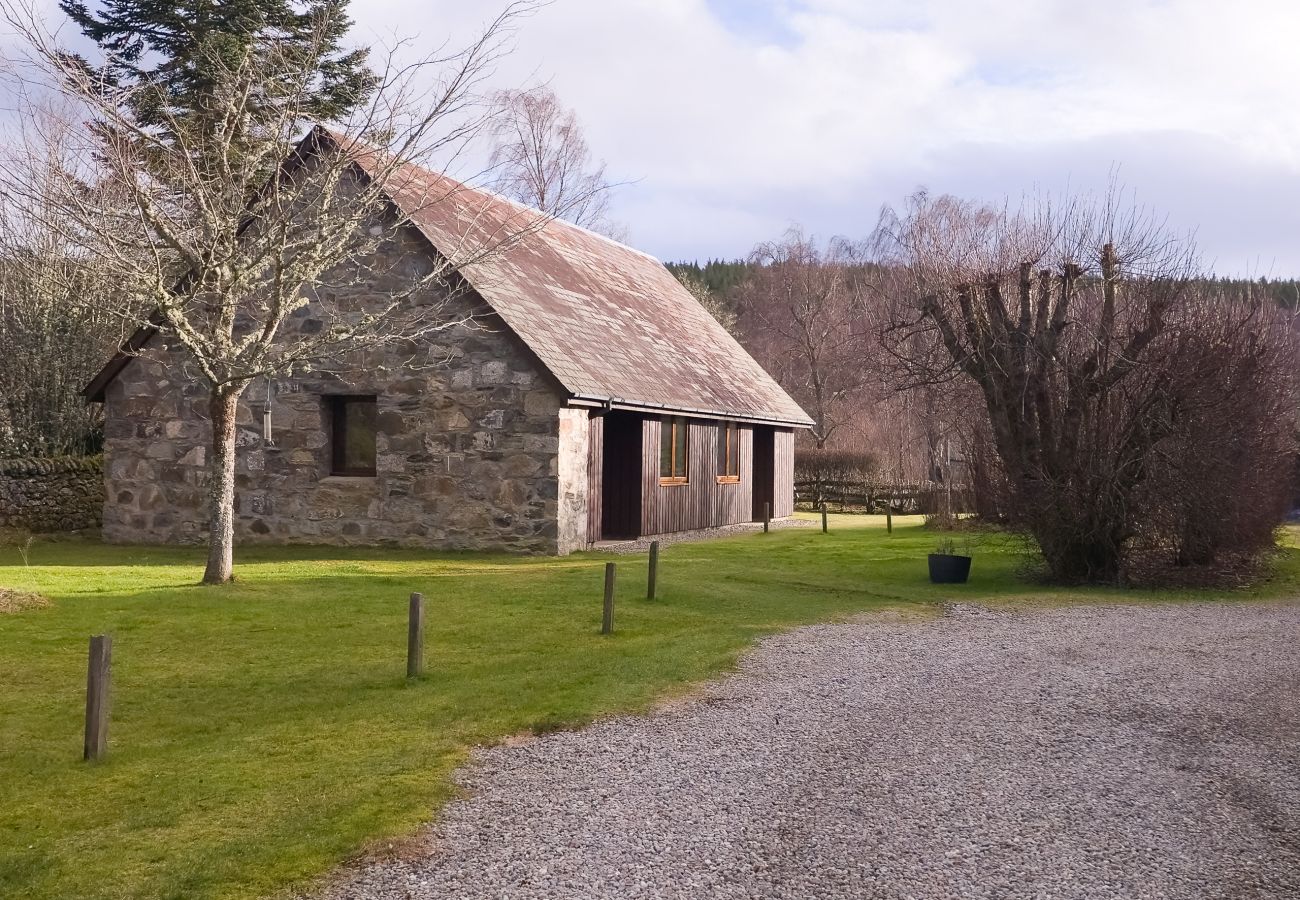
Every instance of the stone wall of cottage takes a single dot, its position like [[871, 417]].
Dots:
[[575, 443], [468, 455], [48, 495], [468, 442]]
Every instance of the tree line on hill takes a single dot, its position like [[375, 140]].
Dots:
[[722, 277]]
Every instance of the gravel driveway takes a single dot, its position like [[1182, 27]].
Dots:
[[1117, 752]]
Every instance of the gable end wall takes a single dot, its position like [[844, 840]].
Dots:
[[468, 453]]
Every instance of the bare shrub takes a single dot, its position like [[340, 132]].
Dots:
[[1217, 487], [54, 336], [1097, 366]]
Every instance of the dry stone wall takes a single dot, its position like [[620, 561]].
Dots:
[[48, 495]]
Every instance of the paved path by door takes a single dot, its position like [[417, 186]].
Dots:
[[1118, 752]]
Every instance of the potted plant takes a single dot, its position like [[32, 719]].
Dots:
[[947, 566]]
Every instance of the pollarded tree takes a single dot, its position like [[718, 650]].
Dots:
[[1134, 411], [1054, 314], [227, 232]]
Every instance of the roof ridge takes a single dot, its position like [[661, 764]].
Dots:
[[710, 366], [567, 224], [550, 217]]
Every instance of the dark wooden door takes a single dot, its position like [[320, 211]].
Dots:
[[621, 477], [764, 469]]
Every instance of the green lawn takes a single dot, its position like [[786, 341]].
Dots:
[[263, 732]]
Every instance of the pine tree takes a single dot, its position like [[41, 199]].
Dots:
[[173, 49]]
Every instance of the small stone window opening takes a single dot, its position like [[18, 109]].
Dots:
[[352, 435]]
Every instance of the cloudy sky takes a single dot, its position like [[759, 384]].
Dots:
[[727, 121], [730, 119]]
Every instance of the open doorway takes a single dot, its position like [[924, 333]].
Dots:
[[621, 466]]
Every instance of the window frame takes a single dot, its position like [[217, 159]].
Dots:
[[728, 452], [337, 405], [669, 425]]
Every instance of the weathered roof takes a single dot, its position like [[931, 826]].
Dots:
[[610, 323]]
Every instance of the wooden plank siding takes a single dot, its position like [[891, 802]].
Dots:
[[701, 502], [626, 500], [783, 473]]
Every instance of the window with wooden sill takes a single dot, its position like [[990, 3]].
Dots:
[[728, 453], [673, 443]]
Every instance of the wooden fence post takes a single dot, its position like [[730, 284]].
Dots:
[[823, 518], [607, 619], [415, 637], [654, 571], [767, 516], [98, 677], [889, 520]]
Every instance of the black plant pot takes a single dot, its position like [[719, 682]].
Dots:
[[948, 569]]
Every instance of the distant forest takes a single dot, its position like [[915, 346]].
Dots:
[[721, 276], [718, 275]]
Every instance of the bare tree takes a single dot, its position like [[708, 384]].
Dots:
[[55, 333], [225, 232], [1069, 321], [542, 160], [802, 316], [712, 303]]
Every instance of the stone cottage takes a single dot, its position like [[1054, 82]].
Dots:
[[588, 397]]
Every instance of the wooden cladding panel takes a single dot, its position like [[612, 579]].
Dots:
[[733, 500], [783, 473], [702, 502]]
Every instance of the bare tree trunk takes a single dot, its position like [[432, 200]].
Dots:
[[223, 405]]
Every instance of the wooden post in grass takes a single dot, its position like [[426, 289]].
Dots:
[[653, 576], [889, 520], [823, 518], [415, 637], [607, 619], [767, 516], [97, 684]]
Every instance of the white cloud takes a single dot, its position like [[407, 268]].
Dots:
[[733, 118]]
